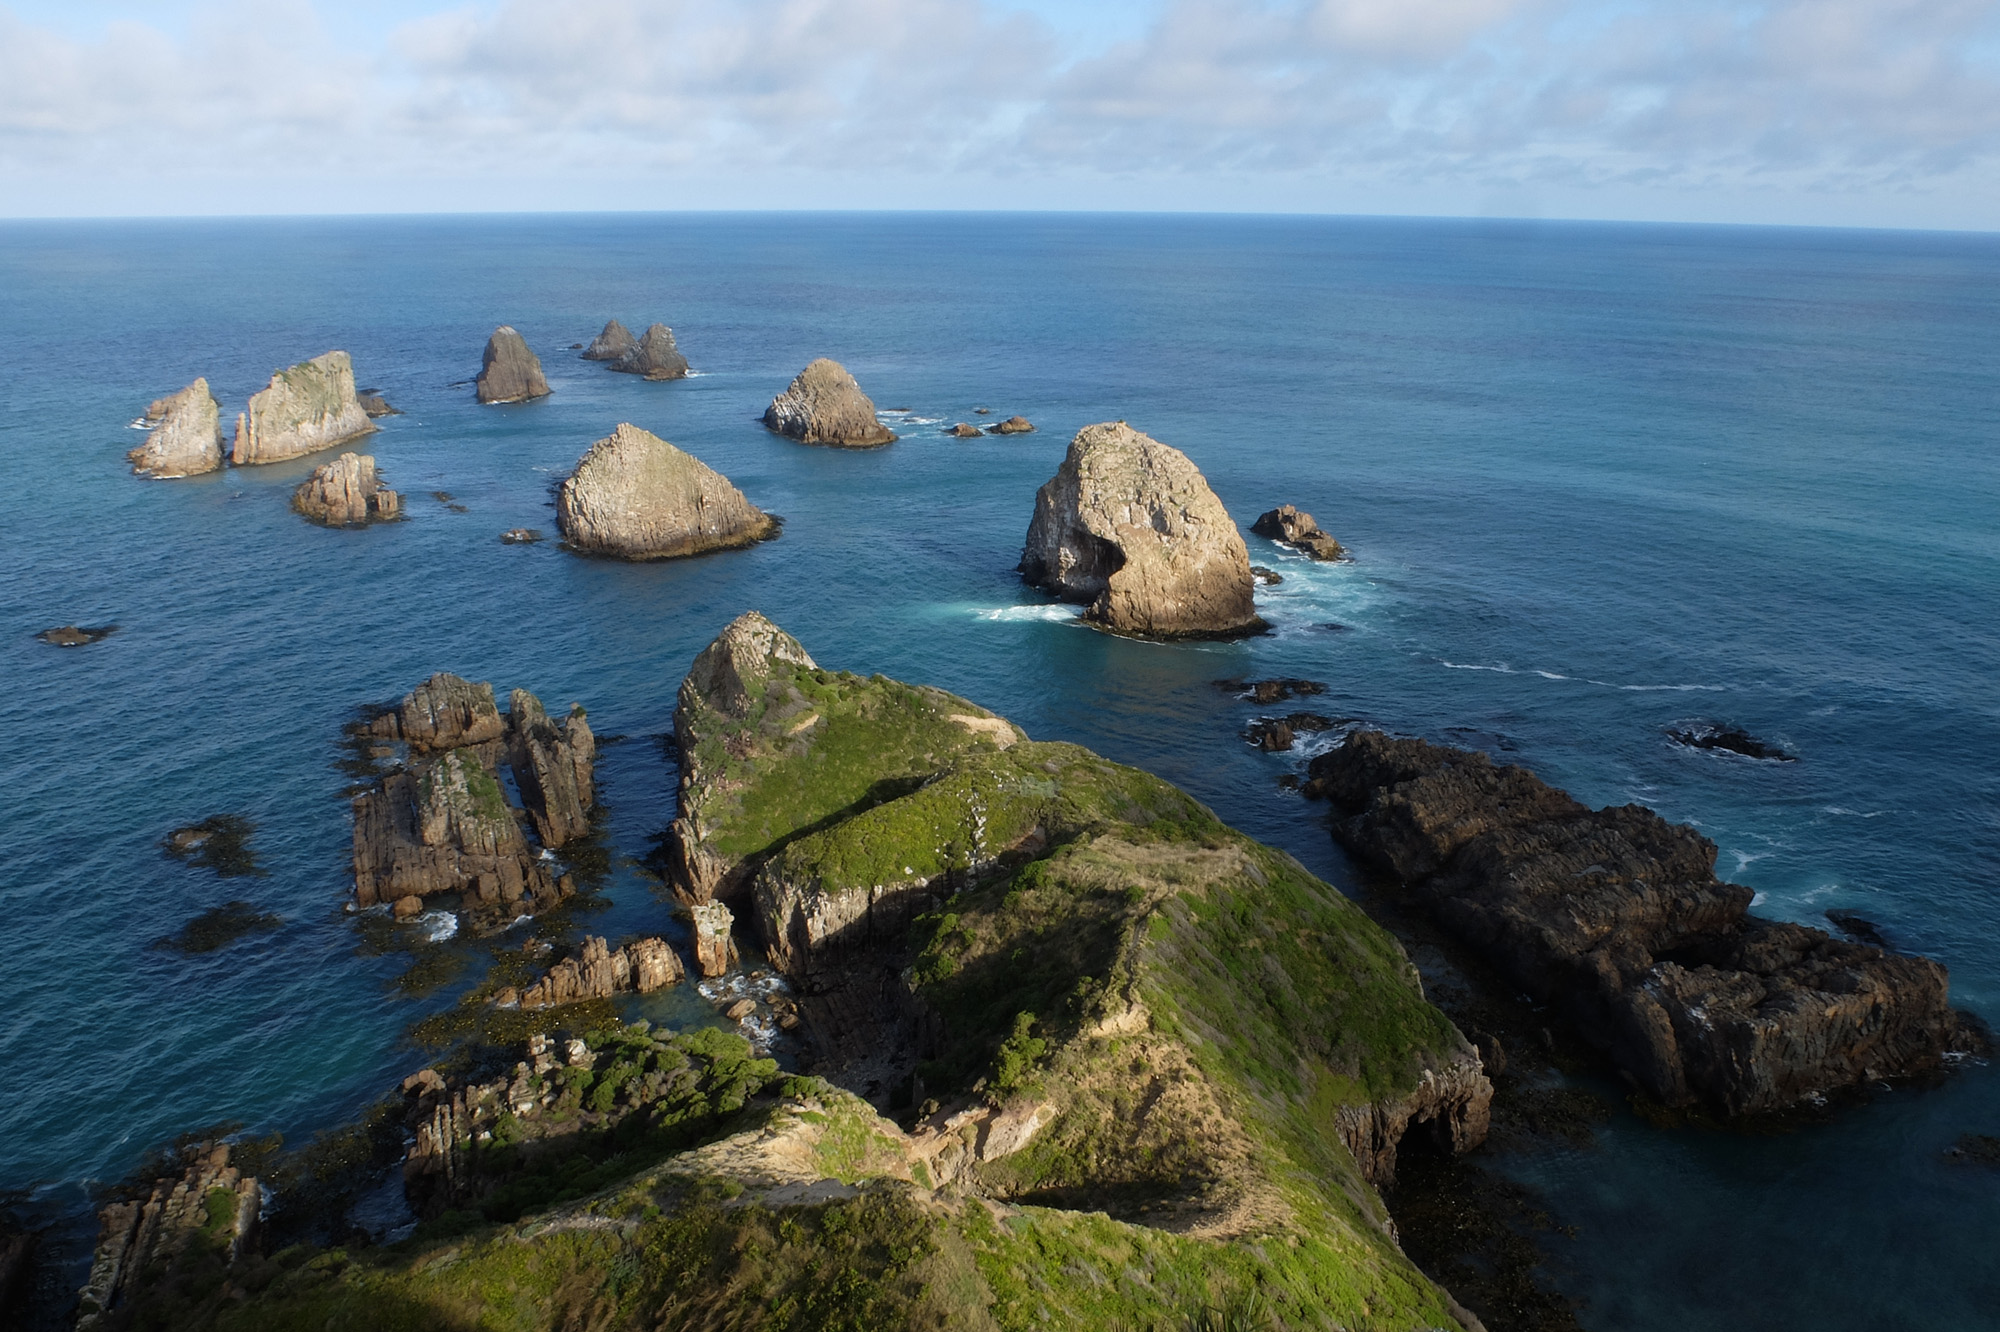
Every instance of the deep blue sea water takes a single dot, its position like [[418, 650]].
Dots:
[[1597, 479]]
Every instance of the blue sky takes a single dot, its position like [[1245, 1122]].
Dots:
[[1845, 112]]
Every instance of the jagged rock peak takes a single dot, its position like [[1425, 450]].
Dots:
[[1297, 529], [714, 943], [612, 343], [655, 356], [347, 492], [598, 972], [637, 497], [726, 671], [307, 407], [444, 712], [510, 371], [1129, 527], [825, 406], [186, 439], [552, 763]]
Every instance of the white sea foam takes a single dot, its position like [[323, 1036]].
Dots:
[[1745, 859], [138, 423], [1504, 669], [1844, 812], [1756, 899], [437, 925], [1052, 614]]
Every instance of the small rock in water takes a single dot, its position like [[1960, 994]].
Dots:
[[739, 1010], [220, 842], [1267, 577], [1013, 425], [217, 927], [1730, 739], [521, 536], [374, 404], [963, 430], [1977, 1148], [1275, 735], [1857, 927], [442, 496], [982, 411], [1269, 691], [1297, 530], [70, 635], [408, 908]]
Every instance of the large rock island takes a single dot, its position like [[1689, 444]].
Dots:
[[825, 406], [637, 497], [347, 492], [186, 435], [1129, 527], [510, 371], [308, 407], [653, 356], [612, 343]]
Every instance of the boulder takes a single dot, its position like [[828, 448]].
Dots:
[[1129, 527], [825, 406], [70, 635], [1266, 577], [714, 948], [201, 1199], [444, 712], [597, 972], [375, 404], [655, 356], [963, 430], [347, 493], [510, 371], [306, 408], [1013, 425], [1297, 530], [552, 765], [637, 497], [186, 435], [521, 536], [611, 344]]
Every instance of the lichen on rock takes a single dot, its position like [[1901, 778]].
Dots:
[[825, 406], [186, 435], [637, 497], [307, 407]]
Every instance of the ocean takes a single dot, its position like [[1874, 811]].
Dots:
[[1596, 479]]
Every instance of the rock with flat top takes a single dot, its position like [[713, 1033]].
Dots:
[[634, 496], [510, 371], [825, 406], [612, 343], [714, 949], [1129, 527], [306, 408], [654, 356], [186, 436], [444, 712], [347, 492], [963, 430], [1297, 530]]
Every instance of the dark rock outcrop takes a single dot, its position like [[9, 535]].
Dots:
[[521, 536], [205, 1201], [306, 408], [654, 356], [347, 492], [1129, 527], [1729, 739], [510, 371], [375, 404], [1013, 425], [825, 406], [612, 343], [186, 435], [1275, 735], [70, 635], [1265, 692], [1617, 915], [552, 763], [634, 496], [597, 972], [1266, 577], [1297, 530]]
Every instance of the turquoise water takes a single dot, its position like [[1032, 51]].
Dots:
[[1597, 480]]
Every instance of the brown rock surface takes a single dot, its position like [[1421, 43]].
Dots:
[[655, 356], [1129, 527], [637, 497], [510, 371], [963, 430], [347, 492], [186, 436], [825, 406], [375, 404], [142, 1238], [444, 712], [1013, 425], [597, 972], [308, 407], [552, 764], [714, 948], [1297, 530], [70, 635], [612, 343]]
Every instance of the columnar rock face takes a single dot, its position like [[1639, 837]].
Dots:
[[655, 356], [309, 407], [509, 371], [637, 497], [552, 763], [714, 948], [640, 967], [1452, 1104], [1294, 528], [1129, 527], [1618, 915], [611, 344], [347, 492], [825, 406], [186, 439], [207, 1201], [444, 712]]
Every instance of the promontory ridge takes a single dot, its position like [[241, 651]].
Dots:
[[637, 497]]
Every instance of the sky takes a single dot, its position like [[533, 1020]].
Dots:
[[1821, 112]]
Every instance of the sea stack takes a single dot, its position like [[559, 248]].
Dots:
[[655, 356], [308, 407], [634, 496], [1297, 529], [510, 372], [1129, 527], [347, 493], [825, 406], [612, 343], [186, 438]]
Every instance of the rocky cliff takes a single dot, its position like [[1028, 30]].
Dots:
[[193, 1223], [612, 343], [347, 492], [1298, 530], [1617, 915], [509, 371], [825, 406], [186, 435], [598, 972], [552, 764], [637, 497], [655, 356], [308, 407], [1129, 527]]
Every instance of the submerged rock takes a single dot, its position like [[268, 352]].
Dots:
[[219, 927], [655, 356], [510, 371], [637, 497], [308, 407], [186, 436], [611, 344], [347, 493], [70, 635], [1129, 527], [1729, 739], [521, 536], [1297, 530], [640, 967], [202, 1208], [375, 404], [1013, 425], [825, 406], [220, 842]]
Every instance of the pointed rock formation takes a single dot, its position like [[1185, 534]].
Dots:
[[1297, 530], [825, 406], [640, 967], [510, 371], [204, 1200], [637, 497], [1129, 527], [347, 493], [612, 343], [552, 765], [655, 356], [186, 438], [308, 407], [714, 948]]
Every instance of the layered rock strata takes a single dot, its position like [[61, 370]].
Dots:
[[714, 938], [509, 371], [444, 712], [347, 492], [635, 496], [598, 972], [654, 356], [612, 343], [1297, 530], [1617, 915], [186, 435], [1129, 527], [207, 1202], [552, 764], [308, 407], [825, 406]]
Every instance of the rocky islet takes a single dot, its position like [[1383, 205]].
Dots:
[[509, 370], [1298, 530], [824, 405], [654, 356], [307, 407], [635, 496], [185, 436], [347, 492]]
